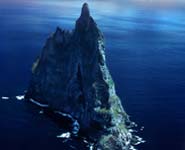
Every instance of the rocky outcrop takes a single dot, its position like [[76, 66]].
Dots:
[[71, 76]]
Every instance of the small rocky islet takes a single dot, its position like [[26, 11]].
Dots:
[[71, 78]]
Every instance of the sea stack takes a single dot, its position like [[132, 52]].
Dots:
[[71, 76]]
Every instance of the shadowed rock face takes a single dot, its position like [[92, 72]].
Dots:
[[71, 76]]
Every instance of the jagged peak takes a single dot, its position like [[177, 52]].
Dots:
[[85, 22], [61, 36], [85, 11], [58, 31]]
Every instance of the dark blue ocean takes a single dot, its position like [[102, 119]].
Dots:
[[145, 51]]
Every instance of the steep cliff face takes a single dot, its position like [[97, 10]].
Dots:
[[71, 76]]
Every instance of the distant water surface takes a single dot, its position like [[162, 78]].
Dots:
[[145, 49]]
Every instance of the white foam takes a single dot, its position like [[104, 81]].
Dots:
[[132, 148], [20, 97], [63, 114], [5, 98], [142, 128], [64, 135], [91, 147], [85, 141], [37, 103], [41, 112], [76, 125]]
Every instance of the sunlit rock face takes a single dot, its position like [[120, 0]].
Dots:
[[71, 76]]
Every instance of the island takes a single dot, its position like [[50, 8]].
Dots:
[[71, 78]]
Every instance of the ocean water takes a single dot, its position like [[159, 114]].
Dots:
[[145, 50]]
